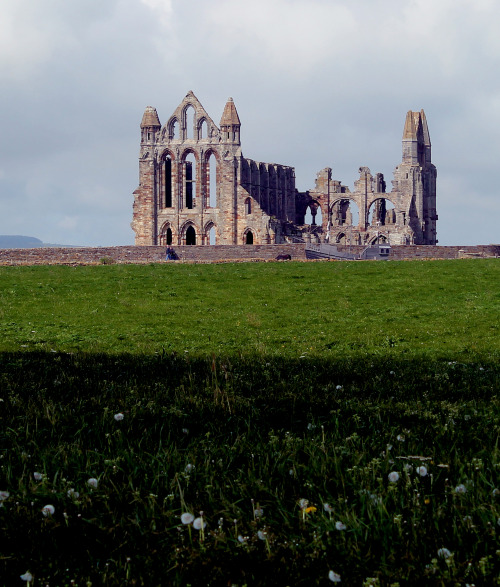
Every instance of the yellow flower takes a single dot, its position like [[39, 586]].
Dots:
[[310, 510]]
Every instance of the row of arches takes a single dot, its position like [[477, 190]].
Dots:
[[183, 182], [190, 234], [381, 212], [188, 126]]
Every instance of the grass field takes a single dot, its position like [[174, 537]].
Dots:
[[332, 421]]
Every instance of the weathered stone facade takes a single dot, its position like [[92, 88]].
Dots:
[[196, 188]]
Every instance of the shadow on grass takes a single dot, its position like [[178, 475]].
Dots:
[[258, 427]]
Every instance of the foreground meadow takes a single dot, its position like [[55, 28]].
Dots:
[[257, 424]]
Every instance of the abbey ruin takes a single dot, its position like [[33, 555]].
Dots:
[[197, 188]]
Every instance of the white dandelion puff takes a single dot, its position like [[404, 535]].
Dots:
[[340, 526], [37, 476], [93, 482], [444, 553], [393, 477], [262, 535], [303, 503], [422, 471], [118, 416], [48, 510], [189, 467], [199, 524], [73, 494], [27, 577], [460, 488], [4, 495], [334, 577], [187, 518], [328, 508]]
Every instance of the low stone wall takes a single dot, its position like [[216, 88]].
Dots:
[[399, 252], [219, 253], [148, 254]]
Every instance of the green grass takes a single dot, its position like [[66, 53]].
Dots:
[[322, 309], [300, 382]]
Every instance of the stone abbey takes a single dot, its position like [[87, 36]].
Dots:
[[197, 188]]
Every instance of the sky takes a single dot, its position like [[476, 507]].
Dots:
[[317, 83]]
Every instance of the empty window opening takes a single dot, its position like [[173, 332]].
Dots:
[[211, 236], [381, 213], [212, 181], [189, 118], [190, 181], [313, 215], [249, 238], [190, 235], [174, 130], [345, 213], [248, 206], [203, 132], [169, 236], [168, 182]]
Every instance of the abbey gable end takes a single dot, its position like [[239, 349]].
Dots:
[[196, 187]]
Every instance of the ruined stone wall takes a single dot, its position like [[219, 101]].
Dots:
[[219, 253], [147, 254]]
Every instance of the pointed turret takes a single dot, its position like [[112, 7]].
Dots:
[[411, 138], [230, 124], [150, 124]]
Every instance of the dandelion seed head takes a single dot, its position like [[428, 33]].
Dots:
[[189, 467], [303, 503], [187, 518], [199, 523], [27, 577], [393, 476], [4, 495], [258, 512], [340, 526], [93, 482], [37, 476], [327, 507], [118, 416], [48, 510], [422, 471], [262, 535], [444, 553], [400, 437], [460, 488], [334, 577]]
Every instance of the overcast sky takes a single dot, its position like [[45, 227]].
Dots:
[[317, 83]]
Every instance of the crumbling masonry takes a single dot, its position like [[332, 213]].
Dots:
[[195, 187]]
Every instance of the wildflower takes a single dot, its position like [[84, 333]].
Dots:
[[400, 437], [303, 503], [48, 510], [262, 535], [4, 495], [187, 518], [119, 416], [37, 476], [185, 431], [328, 508], [338, 387], [496, 491], [427, 501], [258, 512], [422, 471], [199, 523], [340, 526], [408, 468], [393, 477], [444, 553], [93, 482], [189, 467], [290, 472], [334, 577], [242, 539], [27, 577], [73, 494], [460, 488], [310, 510]]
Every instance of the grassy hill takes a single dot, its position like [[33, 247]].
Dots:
[[332, 419]]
